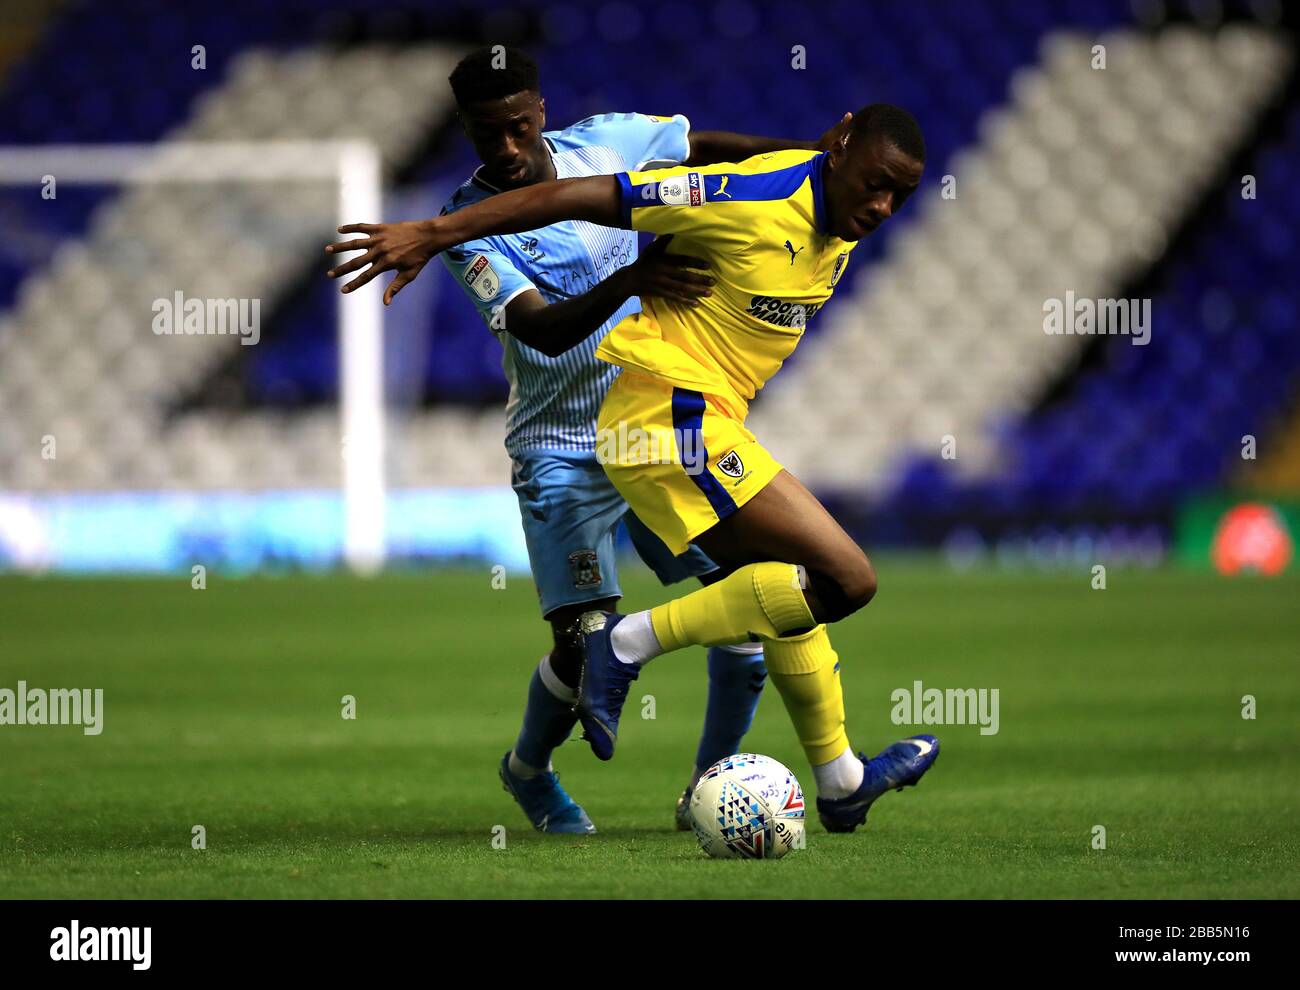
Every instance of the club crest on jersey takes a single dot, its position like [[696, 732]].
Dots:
[[584, 566], [839, 268], [480, 277], [731, 465]]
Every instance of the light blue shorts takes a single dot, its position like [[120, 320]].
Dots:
[[571, 512]]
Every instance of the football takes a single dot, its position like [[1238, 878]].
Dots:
[[748, 806]]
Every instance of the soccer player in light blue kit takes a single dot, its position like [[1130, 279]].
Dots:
[[541, 293]]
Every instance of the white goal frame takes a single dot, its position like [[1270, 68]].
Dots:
[[356, 168]]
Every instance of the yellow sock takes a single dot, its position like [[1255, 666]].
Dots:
[[803, 668], [763, 599]]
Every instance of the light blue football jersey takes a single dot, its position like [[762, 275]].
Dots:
[[553, 401]]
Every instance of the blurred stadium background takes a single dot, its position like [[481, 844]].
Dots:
[[1170, 175]]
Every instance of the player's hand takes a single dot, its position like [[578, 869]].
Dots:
[[669, 276], [827, 140], [401, 247]]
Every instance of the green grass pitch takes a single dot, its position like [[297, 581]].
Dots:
[[1120, 708]]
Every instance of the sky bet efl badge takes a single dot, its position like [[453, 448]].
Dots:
[[480, 277], [682, 190]]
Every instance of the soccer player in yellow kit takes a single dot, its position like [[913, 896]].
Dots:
[[776, 232]]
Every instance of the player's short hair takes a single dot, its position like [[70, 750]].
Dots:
[[492, 74], [893, 124]]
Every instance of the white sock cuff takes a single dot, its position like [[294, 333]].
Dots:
[[553, 683], [839, 777], [634, 639]]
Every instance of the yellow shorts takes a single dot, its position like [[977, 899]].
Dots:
[[681, 459]]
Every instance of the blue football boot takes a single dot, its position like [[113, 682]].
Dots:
[[900, 765], [602, 683], [545, 802], [682, 813]]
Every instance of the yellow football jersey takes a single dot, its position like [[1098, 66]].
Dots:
[[760, 226]]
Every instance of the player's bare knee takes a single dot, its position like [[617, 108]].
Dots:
[[862, 586], [843, 593]]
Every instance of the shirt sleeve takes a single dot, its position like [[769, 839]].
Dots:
[[663, 140], [676, 200], [643, 140], [726, 202], [487, 276]]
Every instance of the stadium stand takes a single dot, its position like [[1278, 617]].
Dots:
[[936, 330]]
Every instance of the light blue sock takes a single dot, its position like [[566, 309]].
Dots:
[[735, 685], [548, 720]]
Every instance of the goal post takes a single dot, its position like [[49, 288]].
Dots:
[[357, 169]]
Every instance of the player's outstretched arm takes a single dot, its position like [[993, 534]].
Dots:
[[407, 247], [553, 328], [712, 147]]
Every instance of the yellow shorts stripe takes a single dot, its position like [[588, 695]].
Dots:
[[681, 459]]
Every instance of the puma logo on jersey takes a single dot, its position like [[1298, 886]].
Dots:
[[722, 187], [790, 247]]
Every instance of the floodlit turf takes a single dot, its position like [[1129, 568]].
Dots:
[[1120, 708]]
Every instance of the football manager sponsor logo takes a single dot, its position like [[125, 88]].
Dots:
[[780, 313]]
